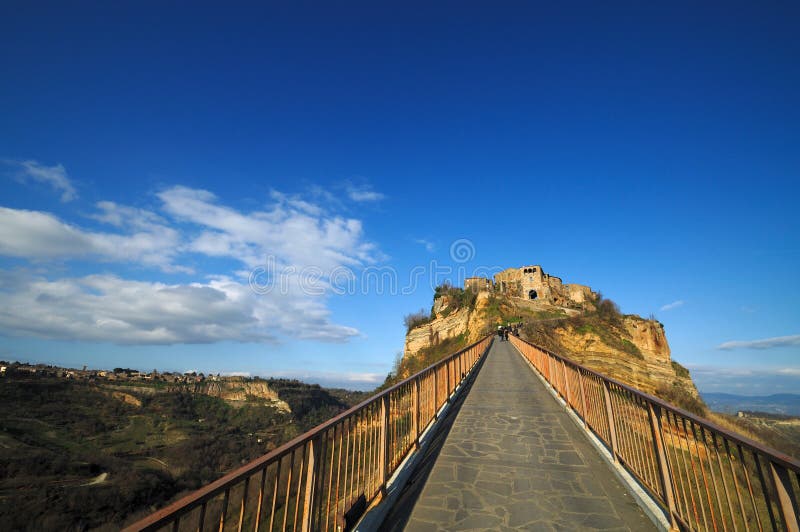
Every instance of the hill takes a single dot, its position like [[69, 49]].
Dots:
[[86, 455], [569, 319], [782, 403]]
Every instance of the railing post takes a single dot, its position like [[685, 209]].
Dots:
[[383, 464], [612, 430], [566, 382], [435, 393], [447, 370], [786, 498], [583, 400], [311, 475], [415, 413], [654, 412]]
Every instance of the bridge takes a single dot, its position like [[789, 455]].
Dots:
[[503, 436]]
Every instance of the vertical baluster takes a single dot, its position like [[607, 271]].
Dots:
[[612, 430], [312, 467], [694, 473], [201, 523], [786, 499], [243, 505], [300, 478], [224, 512], [713, 479], [677, 476], [749, 486], [415, 411], [654, 413], [384, 451], [260, 497], [724, 483], [275, 494], [764, 491]]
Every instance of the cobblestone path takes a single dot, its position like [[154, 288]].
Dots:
[[509, 458]]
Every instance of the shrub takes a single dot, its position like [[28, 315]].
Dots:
[[459, 298], [607, 309], [681, 397], [680, 371], [415, 319]]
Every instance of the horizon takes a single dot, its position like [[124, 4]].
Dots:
[[210, 190]]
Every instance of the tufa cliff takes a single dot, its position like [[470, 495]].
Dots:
[[568, 319]]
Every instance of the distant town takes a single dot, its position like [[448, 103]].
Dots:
[[21, 369]]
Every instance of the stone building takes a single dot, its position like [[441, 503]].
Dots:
[[531, 282], [478, 284]]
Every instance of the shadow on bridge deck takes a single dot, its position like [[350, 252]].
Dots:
[[508, 457]]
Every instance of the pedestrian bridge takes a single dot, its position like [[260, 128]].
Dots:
[[503, 435]]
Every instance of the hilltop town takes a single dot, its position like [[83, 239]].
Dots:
[[533, 284], [12, 369], [571, 319]]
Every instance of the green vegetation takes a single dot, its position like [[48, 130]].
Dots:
[[416, 319], [554, 314], [59, 436], [775, 430], [680, 371], [606, 322], [631, 349], [678, 395], [407, 366], [458, 297]]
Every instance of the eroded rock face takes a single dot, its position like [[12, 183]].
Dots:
[[436, 331], [647, 373], [236, 391]]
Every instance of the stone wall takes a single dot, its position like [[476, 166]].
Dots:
[[526, 281]]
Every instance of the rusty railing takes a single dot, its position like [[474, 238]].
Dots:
[[702, 475], [324, 479]]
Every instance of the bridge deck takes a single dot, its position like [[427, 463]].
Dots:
[[508, 457]]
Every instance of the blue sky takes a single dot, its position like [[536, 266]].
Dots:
[[154, 160]]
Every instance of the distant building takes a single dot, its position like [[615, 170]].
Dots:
[[477, 284], [532, 283]]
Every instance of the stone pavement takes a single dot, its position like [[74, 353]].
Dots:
[[509, 458]]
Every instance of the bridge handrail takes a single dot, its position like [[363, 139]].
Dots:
[[655, 440], [383, 430]]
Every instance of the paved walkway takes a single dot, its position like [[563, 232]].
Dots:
[[509, 458]]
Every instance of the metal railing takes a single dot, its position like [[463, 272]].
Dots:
[[704, 476], [324, 479]]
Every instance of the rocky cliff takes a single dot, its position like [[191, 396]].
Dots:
[[240, 391], [233, 390]]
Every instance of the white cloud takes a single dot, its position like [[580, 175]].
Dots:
[[764, 343], [673, 305], [757, 380], [53, 176], [106, 308], [430, 247], [41, 236], [363, 194], [295, 233]]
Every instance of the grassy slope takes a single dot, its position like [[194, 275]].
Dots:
[[55, 436]]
